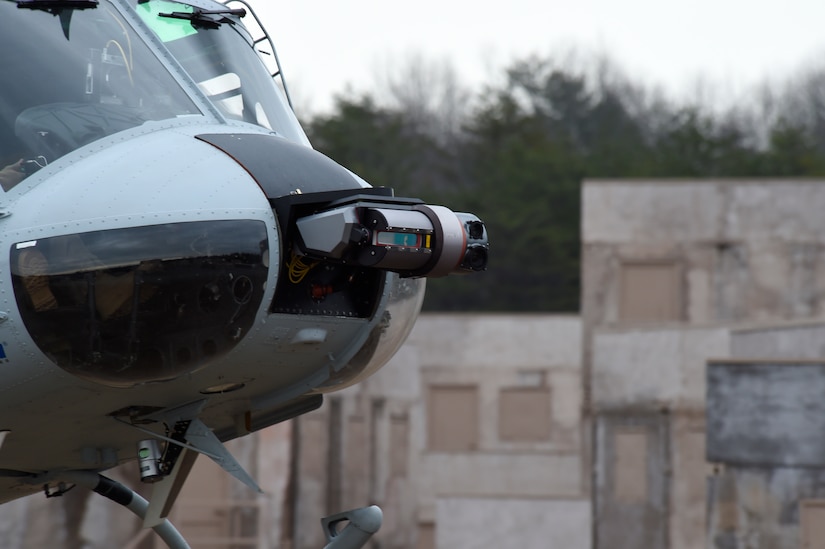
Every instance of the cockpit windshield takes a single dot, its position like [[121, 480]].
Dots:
[[220, 55], [74, 73]]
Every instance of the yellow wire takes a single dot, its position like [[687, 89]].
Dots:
[[128, 61], [125, 61], [131, 62], [298, 269]]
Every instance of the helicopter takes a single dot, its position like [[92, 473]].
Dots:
[[179, 266]]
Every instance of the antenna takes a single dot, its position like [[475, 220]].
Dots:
[[278, 73]]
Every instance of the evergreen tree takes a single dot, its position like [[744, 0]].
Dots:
[[518, 158]]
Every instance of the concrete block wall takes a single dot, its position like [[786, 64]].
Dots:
[[765, 421], [430, 494], [739, 254], [482, 523], [748, 250], [655, 368]]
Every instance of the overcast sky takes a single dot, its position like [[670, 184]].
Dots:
[[326, 45]]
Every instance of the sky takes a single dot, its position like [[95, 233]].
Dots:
[[729, 46]]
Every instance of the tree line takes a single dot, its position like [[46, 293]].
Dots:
[[515, 154]]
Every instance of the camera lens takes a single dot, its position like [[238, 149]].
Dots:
[[475, 229], [475, 258]]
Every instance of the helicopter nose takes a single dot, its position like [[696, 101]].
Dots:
[[149, 297], [281, 167], [383, 232], [138, 304]]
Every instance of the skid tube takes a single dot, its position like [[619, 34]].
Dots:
[[128, 498], [348, 530]]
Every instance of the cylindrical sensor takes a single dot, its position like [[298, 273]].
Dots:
[[149, 460]]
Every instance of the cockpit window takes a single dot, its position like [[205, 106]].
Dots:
[[219, 54], [128, 306], [72, 76], [158, 15]]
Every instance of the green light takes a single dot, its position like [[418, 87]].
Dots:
[[167, 28]]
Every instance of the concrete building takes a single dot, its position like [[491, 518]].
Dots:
[[766, 417], [214, 511], [674, 273], [655, 419], [471, 437]]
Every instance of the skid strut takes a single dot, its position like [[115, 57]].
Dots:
[[130, 499], [348, 530]]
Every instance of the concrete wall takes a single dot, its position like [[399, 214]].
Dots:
[[764, 448], [673, 273], [385, 452], [798, 340], [767, 413], [654, 368], [652, 382], [765, 425], [703, 210], [762, 508], [748, 250], [483, 523]]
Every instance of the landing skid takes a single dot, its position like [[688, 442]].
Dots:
[[130, 499], [363, 523], [168, 470], [347, 530]]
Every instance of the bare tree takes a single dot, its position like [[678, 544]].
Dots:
[[427, 92]]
